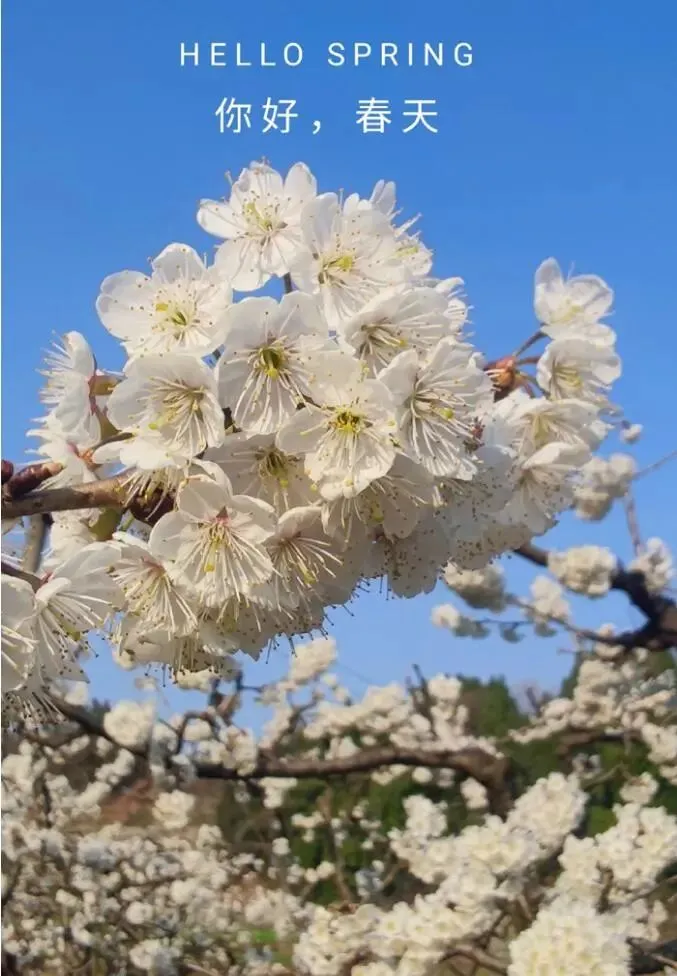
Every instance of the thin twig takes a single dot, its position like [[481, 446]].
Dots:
[[650, 468], [194, 968], [36, 533], [528, 343], [632, 520], [9, 570]]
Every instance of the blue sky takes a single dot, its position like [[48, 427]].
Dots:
[[558, 140]]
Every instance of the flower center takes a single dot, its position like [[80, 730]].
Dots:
[[173, 318], [347, 422], [540, 431], [570, 312], [194, 400], [271, 361], [274, 465], [335, 267], [427, 403], [177, 400], [258, 219], [568, 376], [218, 538], [379, 339]]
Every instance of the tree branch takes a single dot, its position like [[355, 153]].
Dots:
[[633, 522], [650, 468], [19, 483], [653, 958], [479, 957], [491, 771], [577, 739], [36, 532], [110, 493], [659, 633], [9, 570]]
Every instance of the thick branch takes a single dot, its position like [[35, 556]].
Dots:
[[491, 771], [16, 484], [110, 493]]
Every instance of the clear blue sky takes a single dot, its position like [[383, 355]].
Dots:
[[559, 140]]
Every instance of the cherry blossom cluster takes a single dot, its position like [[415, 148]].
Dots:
[[270, 455], [520, 889], [615, 694], [604, 480], [126, 899]]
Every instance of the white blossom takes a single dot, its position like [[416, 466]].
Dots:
[[260, 223], [215, 539], [350, 255], [170, 400], [346, 435], [567, 306], [584, 569], [269, 363], [179, 308], [656, 564]]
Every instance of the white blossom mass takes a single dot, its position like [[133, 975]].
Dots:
[[258, 459]]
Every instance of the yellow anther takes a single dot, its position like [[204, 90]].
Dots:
[[347, 422]]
